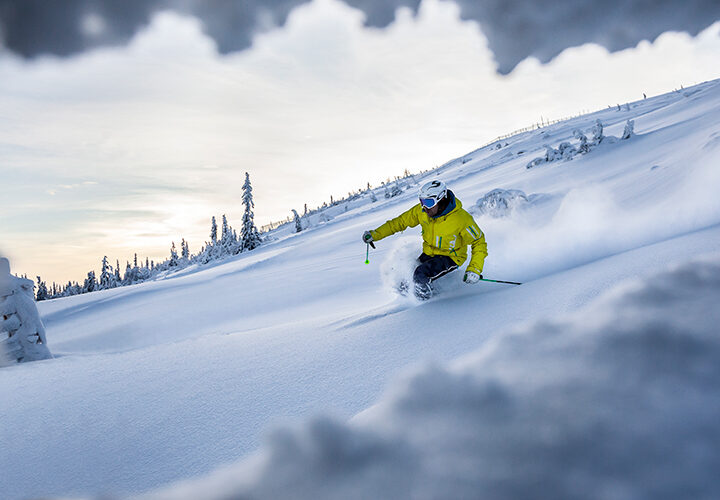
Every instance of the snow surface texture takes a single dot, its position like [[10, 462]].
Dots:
[[618, 400], [170, 380], [22, 334], [515, 29]]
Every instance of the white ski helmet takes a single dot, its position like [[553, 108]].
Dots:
[[431, 193]]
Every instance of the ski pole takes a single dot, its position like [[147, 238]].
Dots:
[[498, 281], [367, 251]]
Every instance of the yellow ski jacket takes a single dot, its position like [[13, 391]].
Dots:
[[448, 234]]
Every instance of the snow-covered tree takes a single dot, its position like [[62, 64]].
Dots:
[[173, 256], [298, 224], [250, 236], [185, 249], [629, 129], [550, 153], [118, 278], [228, 242], [129, 277], [567, 151], [90, 284], [584, 147], [597, 132], [42, 292], [225, 229], [107, 278], [213, 231], [19, 320]]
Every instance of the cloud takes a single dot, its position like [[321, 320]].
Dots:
[[518, 29], [515, 29]]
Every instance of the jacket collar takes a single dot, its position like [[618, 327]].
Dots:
[[452, 204]]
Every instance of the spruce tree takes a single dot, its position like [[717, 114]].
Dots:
[[185, 249], [213, 231], [128, 279], [90, 284], [250, 236], [42, 293], [106, 275], [298, 224], [173, 256]]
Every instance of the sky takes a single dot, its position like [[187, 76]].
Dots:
[[117, 148]]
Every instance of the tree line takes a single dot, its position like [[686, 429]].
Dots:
[[227, 242]]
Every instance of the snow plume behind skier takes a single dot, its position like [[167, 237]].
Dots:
[[447, 231]]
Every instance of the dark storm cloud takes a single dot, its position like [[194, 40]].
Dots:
[[35, 27], [515, 29]]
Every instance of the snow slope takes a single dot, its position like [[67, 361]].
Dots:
[[169, 380]]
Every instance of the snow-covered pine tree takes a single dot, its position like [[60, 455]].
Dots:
[[226, 243], [213, 231], [118, 278], [397, 188], [250, 236], [90, 284], [597, 132], [225, 229], [128, 278], [107, 278], [42, 292], [173, 256], [584, 147], [298, 224], [185, 250]]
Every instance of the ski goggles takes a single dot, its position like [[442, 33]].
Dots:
[[428, 202]]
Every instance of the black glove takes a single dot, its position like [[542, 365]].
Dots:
[[367, 238]]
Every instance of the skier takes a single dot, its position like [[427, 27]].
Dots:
[[447, 230]]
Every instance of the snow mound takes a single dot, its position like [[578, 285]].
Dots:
[[501, 202], [619, 400], [22, 333]]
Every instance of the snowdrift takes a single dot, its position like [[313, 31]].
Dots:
[[618, 400]]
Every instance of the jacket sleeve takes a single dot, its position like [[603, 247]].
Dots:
[[409, 218], [473, 236]]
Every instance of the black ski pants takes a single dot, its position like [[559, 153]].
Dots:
[[431, 268]]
